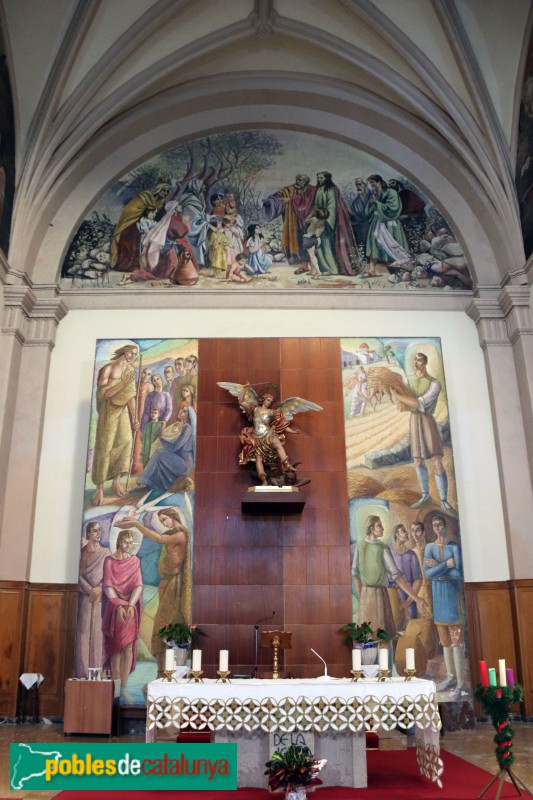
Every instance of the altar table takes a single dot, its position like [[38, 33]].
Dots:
[[338, 712]]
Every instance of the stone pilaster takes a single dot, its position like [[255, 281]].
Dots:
[[502, 323], [30, 320]]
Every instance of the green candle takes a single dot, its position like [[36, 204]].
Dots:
[[492, 676]]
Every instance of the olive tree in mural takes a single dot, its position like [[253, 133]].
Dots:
[[135, 571], [407, 574], [265, 209]]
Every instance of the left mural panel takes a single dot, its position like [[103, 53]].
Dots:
[[136, 541]]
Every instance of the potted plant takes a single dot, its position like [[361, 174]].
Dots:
[[180, 636], [365, 638], [295, 771]]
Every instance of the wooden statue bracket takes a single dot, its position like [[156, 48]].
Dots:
[[272, 500]]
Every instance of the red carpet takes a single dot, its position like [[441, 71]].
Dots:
[[392, 775]]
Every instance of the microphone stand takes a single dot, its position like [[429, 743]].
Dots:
[[256, 640]]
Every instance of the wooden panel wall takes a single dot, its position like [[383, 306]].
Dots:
[[247, 567], [13, 622]]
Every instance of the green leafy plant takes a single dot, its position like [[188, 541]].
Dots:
[[179, 633], [362, 634], [296, 766]]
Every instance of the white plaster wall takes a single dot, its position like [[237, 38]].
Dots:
[[61, 479]]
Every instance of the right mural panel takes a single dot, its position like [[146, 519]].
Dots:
[[407, 575]]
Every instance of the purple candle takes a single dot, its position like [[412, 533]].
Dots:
[[510, 677]]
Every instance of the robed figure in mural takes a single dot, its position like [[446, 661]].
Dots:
[[264, 442], [89, 641]]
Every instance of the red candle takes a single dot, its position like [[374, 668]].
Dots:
[[510, 677], [483, 673]]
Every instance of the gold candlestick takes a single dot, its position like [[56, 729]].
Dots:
[[383, 674], [223, 676], [196, 676], [168, 676], [356, 674], [409, 674], [275, 667]]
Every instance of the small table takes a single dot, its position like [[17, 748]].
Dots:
[[89, 707], [337, 711]]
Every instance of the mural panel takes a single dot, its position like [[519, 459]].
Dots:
[[407, 575], [7, 151], [265, 209], [524, 156], [136, 543]]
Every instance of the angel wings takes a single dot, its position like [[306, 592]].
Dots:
[[249, 399]]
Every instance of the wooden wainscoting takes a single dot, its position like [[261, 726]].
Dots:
[[36, 635]]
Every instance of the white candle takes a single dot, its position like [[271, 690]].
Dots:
[[223, 660], [169, 660], [356, 659], [501, 670], [383, 657], [409, 658], [196, 660]]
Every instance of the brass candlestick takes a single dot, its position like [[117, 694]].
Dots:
[[409, 674], [223, 676], [168, 676], [275, 666], [356, 674], [383, 675], [196, 676]]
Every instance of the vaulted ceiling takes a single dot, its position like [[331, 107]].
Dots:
[[430, 86]]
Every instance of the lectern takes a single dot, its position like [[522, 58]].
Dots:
[[278, 640]]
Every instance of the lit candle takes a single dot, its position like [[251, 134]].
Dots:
[[510, 677], [409, 658], [169, 659], [383, 657], [501, 672], [223, 660], [196, 660], [483, 674], [492, 676], [356, 659]]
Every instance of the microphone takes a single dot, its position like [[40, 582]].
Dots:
[[325, 676], [264, 619]]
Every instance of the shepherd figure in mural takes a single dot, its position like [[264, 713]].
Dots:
[[117, 421], [337, 249], [123, 586], [294, 203], [386, 241], [175, 587], [126, 244], [89, 640], [264, 441], [424, 434]]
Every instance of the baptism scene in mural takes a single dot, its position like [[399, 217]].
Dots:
[[407, 575], [269, 210], [136, 539]]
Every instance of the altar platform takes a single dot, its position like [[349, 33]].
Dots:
[[330, 716]]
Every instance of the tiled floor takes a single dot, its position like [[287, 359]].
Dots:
[[474, 746]]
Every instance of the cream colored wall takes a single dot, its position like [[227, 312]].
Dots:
[[61, 479]]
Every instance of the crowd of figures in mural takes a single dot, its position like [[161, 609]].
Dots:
[[407, 573], [136, 547], [228, 211]]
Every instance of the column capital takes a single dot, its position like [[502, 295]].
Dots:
[[32, 314], [514, 302], [490, 322]]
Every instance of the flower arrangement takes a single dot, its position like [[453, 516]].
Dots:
[[296, 766], [179, 633], [362, 634]]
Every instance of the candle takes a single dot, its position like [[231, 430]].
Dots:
[[223, 660], [169, 659], [409, 658], [196, 660], [483, 674], [501, 672], [510, 677], [356, 659], [383, 658], [492, 676]]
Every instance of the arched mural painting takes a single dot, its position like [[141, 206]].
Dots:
[[524, 156], [7, 152], [260, 209]]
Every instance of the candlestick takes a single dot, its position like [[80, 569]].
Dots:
[[409, 674], [356, 674], [501, 672], [483, 674], [223, 676], [383, 674], [196, 676], [223, 660], [168, 675], [492, 676], [410, 658], [510, 677], [196, 660], [356, 659], [383, 660], [169, 659]]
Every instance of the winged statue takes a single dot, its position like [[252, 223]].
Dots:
[[264, 441]]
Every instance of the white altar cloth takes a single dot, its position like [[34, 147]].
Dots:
[[338, 705]]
